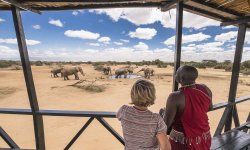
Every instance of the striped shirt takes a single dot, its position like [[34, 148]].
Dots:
[[140, 128]]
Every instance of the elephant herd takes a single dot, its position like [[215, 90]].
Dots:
[[148, 72], [65, 72]]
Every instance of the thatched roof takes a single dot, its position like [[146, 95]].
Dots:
[[222, 10]]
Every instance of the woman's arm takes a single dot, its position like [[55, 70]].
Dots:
[[163, 141]]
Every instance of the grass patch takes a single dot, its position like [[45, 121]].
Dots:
[[7, 91], [89, 86]]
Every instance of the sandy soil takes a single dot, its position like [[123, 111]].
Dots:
[[53, 93]]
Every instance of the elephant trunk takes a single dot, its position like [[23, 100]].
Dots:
[[82, 73], [139, 71]]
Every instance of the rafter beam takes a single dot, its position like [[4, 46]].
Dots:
[[235, 22], [20, 5], [171, 5]]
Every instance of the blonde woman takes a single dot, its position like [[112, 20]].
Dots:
[[143, 129]]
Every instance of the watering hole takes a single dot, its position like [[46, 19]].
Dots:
[[132, 76]]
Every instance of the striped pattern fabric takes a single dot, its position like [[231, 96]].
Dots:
[[140, 128]]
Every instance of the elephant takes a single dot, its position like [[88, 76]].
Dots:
[[130, 69], [147, 72], [72, 71], [106, 70], [120, 72], [55, 71]]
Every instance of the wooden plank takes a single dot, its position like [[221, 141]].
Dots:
[[37, 119], [178, 42], [225, 139], [235, 72], [8, 139], [237, 144], [234, 22], [19, 5]]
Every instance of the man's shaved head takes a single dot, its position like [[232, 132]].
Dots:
[[186, 75]]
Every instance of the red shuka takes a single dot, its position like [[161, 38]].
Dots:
[[194, 118]]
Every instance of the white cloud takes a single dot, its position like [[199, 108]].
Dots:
[[104, 40], [57, 23], [37, 27], [231, 37], [75, 13], [143, 33], [94, 44], [229, 27], [188, 38], [141, 46], [226, 37], [118, 43], [8, 53], [82, 34], [152, 15], [125, 41], [14, 41], [1, 20]]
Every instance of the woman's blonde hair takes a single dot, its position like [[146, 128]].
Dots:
[[143, 93]]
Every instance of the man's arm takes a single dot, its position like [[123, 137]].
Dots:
[[210, 94], [171, 108]]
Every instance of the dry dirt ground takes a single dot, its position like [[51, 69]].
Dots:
[[53, 93]]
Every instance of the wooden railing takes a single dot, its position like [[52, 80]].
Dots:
[[98, 115]]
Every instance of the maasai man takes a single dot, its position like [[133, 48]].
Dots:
[[186, 112]]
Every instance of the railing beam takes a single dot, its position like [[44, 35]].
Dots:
[[79, 133], [111, 130], [178, 42], [37, 119], [8, 139], [235, 74]]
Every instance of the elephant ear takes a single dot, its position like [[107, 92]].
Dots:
[[77, 69]]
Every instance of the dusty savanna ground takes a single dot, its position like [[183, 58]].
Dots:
[[53, 93]]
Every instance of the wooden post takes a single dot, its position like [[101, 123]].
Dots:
[[235, 77], [37, 119], [178, 42]]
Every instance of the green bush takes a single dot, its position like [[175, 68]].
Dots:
[[162, 65], [246, 64], [38, 63], [8, 63], [99, 67], [245, 71]]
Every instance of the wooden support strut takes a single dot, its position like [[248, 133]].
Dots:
[[235, 77], [171, 5], [19, 5], [37, 118], [178, 42], [234, 22], [8, 139]]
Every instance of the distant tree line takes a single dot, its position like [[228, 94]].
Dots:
[[226, 65]]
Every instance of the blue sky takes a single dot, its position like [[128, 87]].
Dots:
[[131, 34]]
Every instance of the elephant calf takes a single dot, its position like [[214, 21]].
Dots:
[[106, 70], [120, 72], [72, 71], [55, 71]]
